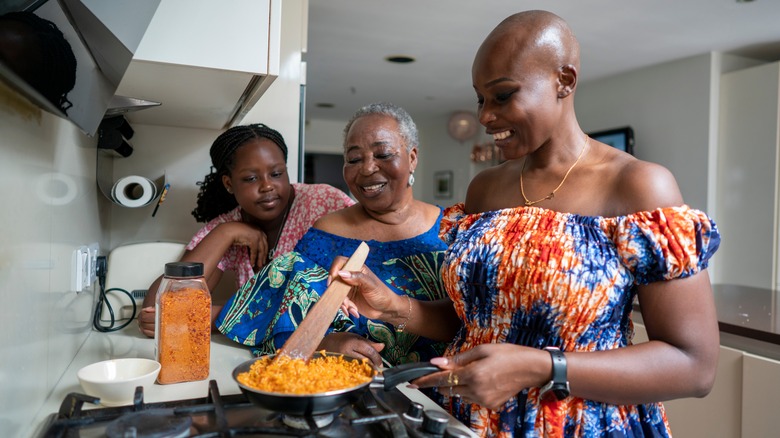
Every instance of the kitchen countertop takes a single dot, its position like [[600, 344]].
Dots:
[[748, 318], [748, 311], [129, 342]]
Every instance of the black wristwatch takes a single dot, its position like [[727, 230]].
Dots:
[[558, 387]]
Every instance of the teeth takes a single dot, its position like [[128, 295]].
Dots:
[[501, 135], [372, 188]]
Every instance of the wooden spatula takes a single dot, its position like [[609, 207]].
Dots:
[[305, 339]]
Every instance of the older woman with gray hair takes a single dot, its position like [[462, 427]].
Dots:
[[380, 156]]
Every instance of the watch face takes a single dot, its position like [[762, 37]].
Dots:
[[554, 391], [560, 393]]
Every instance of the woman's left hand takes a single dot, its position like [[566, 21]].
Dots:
[[490, 374], [353, 345]]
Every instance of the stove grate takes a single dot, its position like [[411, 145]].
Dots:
[[228, 416]]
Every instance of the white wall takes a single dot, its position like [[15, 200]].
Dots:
[[668, 106], [440, 152], [50, 208], [182, 155], [325, 136]]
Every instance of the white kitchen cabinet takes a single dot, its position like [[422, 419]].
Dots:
[[207, 62], [747, 183], [719, 414], [760, 396]]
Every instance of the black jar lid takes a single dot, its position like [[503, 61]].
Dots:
[[184, 269]]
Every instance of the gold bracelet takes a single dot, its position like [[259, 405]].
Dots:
[[402, 326]]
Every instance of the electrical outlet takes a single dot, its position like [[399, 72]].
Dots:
[[91, 269]]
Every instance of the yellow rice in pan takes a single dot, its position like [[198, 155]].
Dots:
[[287, 375]]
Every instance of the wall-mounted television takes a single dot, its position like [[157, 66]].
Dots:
[[621, 138]]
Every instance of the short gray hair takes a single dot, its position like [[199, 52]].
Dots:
[[406, 126]]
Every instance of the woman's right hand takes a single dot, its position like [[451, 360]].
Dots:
[[369, 296], [489, 374], [373, 298]]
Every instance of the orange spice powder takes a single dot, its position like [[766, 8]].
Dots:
[[184, 341]]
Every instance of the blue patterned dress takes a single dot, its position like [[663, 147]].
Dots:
[[269, 307], [536, 277]]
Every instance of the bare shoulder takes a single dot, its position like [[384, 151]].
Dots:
[[336, 222], [491, 188], [643, 185]]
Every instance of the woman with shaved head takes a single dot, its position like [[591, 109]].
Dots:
[[546, 257]]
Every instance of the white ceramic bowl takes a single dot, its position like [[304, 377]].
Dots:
[[114, 381]]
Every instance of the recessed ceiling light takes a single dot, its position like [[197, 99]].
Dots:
[[399, 59], [324, 105]]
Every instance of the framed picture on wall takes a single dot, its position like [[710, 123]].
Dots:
[[621, 138], [442, 184]]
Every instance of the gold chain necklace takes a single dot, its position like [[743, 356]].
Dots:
[[528, 202]]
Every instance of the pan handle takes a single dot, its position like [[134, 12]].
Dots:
[[391, 377]]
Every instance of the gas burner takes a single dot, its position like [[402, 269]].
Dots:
[[305, 422], [161, 423], [377, 413]]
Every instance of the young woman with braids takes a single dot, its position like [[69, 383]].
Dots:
[[252, 212]]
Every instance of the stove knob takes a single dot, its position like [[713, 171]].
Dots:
[[414, 412], [435, 422], [453, 432]]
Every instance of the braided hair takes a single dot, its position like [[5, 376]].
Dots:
[[213, 198], [49, 65]]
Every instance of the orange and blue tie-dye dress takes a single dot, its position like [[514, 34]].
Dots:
[[536, 277]]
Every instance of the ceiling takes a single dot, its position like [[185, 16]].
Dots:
[[349, 39]]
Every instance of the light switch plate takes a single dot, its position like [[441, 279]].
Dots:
[[84, 267]]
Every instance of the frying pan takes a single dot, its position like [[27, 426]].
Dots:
[[330, 401]]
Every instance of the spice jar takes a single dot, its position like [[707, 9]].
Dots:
[[183, 324]]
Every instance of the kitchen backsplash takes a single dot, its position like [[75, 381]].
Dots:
[[49, 208]]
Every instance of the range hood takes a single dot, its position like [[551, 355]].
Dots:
[[123, 104]]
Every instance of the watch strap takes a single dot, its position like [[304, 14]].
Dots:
[[558, 387]]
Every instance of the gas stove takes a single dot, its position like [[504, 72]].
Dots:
[[377, 413]]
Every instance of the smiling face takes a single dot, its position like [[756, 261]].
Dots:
[[521, 77], [259, 180], [377, 164]]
